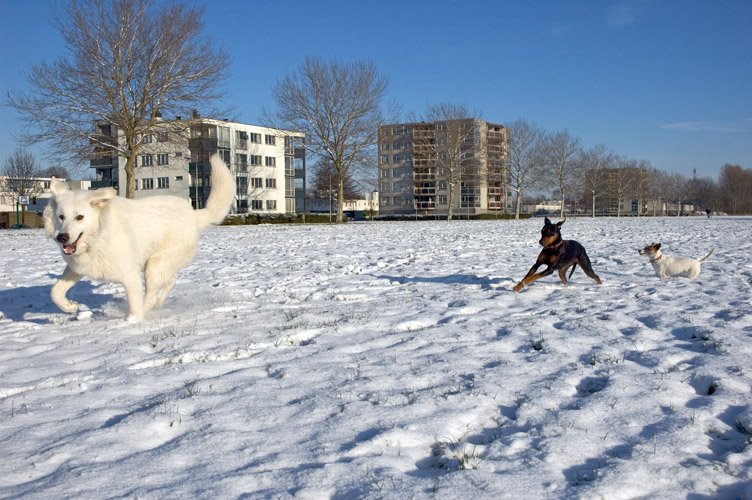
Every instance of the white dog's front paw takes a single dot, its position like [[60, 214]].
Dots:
[[68, 306], [132, 320]]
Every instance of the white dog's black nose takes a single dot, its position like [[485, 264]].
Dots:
[[63, 238]]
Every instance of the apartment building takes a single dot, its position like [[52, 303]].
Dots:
[[268, 163], [423, 167]]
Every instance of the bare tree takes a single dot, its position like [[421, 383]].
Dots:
[[641, 183], [595, 161], [656, 188], [680, 189], [445, 152], [326, 184], [57, 171], [21, 178], [706, 193], [338, 107], [526, 157], [622, 180], [130, 61], [562, 163], [736, 188]]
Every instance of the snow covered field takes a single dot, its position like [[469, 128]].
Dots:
[[387, 360]]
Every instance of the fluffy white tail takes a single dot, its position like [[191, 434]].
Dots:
[[707, 256], [221, 195]]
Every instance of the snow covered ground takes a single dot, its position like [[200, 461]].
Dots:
[[387, 360]]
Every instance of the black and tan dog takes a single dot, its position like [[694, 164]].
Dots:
[[557, 254]]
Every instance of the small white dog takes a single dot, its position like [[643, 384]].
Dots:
[[666, 267], [114, 239]]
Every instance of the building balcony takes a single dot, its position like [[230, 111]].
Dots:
[[104, 162], [202, 143], [424, 177], [425, 205]]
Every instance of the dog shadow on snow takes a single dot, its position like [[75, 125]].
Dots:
[[25, 302], [484, 282]]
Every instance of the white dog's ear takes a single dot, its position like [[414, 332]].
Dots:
[[101, 196], [57, 186], [48, 218]]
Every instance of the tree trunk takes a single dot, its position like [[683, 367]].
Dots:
[[519, 202], [130, 177], [450, 200], [341, 199]]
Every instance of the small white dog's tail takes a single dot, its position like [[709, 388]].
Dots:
[[707, 256], [220, 197]]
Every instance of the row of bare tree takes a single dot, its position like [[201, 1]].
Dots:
[[598, 180]]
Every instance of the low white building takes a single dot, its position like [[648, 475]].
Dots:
[[38, 189], [544, 207], [368, 204]]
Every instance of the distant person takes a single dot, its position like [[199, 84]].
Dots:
[[708, 211]]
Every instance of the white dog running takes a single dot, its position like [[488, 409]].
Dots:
[[666, 267], [114, 239]]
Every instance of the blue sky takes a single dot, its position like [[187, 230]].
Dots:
[[665, 81]]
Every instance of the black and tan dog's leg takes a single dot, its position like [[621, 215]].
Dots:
[[532, 276], [584, 262], [563, 275]]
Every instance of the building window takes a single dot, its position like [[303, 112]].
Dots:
[[148, 138], [255, 160], [385, 146], [289, 145], [257, 182], [290, 187], [289, 166], [163, 182], [270, 161], [147, 161], [163, 159], [257, 204], [179, 178], [385, 159], [270, 140], [223, 139], [241, 161], [271, 183], [384, 172], [271, 204], [255, 138], [162, 136], [147, 183], [241, 141]]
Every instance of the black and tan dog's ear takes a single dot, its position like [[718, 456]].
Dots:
[[657, 246], [558, 224], [546, 221]]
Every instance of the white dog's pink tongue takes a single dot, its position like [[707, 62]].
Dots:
[[69, 249]]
